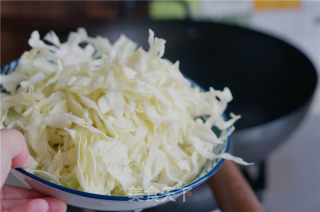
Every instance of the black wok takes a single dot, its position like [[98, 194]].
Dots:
[[272, 82]]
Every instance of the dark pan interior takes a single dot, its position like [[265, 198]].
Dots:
[[268, 77]]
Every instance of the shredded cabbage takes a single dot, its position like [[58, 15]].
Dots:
[[104, 118]]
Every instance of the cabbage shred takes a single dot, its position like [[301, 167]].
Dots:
[[104, 118]]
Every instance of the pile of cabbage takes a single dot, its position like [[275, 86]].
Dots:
[[105, 118]]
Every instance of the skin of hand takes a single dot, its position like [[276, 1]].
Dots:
[[14, 154]]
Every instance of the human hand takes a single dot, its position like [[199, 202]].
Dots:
[[14, 154]]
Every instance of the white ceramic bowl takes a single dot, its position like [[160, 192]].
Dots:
[[111, 203]]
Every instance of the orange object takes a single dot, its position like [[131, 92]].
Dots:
[[276, 4]]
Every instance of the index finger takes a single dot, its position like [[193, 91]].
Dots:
[[14, 151], [9, 192]]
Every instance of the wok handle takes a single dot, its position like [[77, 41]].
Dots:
[[232, 191]]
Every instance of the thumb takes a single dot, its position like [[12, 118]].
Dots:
[[14, 151]]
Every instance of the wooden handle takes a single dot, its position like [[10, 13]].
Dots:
[[232, 191]]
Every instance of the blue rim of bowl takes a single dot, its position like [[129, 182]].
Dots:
[[11, 67]]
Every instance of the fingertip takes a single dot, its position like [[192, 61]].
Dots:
[[56, 205], [15, 134], [38, 205], [14, 143], [22, 160]]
